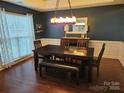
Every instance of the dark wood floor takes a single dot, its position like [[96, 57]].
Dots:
[[22, 78]]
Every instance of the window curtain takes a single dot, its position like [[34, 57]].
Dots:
[[16, 36]]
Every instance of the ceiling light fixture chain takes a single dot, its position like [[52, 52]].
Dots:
[[70, 7], [57, 5]]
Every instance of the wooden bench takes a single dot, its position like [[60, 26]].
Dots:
[[61, 65]]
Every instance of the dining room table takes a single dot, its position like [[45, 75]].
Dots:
[[81, 53]]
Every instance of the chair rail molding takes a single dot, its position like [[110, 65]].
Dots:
[[114, 49]]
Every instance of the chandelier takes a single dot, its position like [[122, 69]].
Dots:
[[66, 19]]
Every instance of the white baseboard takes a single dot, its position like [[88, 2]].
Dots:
[[15, 62], [121, 53], [121, 61], [1, 69]]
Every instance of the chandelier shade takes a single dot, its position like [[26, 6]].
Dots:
[[65, 20]]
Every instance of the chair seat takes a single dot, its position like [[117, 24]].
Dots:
[[43, 57], [40, 56], [95, 62]]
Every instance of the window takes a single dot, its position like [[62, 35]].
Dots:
[[16, 36]]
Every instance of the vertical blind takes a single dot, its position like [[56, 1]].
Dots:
[[16, 36]]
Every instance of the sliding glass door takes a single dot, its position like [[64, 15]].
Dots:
[[16, 36]]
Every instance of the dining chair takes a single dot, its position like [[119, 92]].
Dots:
[[83, 43], [96, 61], [37, 44], [64, 43]]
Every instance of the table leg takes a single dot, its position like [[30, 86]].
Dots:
[[35, 60], [89, 73]]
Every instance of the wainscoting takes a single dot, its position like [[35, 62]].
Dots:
[[114, 49]]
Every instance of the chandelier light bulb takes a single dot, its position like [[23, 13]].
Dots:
[[63, 20]]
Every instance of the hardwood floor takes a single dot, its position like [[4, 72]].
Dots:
[[22, 78]]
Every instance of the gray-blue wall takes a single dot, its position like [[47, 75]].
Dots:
[[105, 23]]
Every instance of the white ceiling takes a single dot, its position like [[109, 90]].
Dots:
[[49, 5]]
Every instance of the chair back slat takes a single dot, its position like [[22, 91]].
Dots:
[[65, 43], [101, 53], [82, 43]]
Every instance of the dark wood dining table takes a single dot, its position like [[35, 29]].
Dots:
[[84, 54]]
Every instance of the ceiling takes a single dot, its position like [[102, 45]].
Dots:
[[49, 5]]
